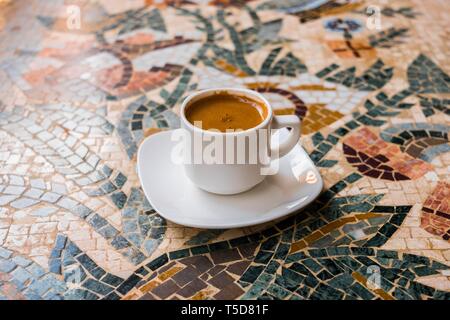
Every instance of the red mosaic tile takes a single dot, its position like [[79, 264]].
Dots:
[[376, 158], [435, 212]]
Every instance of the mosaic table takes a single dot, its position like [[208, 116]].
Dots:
[[83, 83]]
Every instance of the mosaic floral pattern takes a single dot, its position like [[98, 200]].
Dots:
[[77, 100]]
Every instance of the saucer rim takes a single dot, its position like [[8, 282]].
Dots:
[[256, 222]]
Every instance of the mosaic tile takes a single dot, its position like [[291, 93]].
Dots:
[[435, 211], [307, 12], [76, 104], [377, 159], [419, 140]]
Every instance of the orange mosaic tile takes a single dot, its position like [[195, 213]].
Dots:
[[83, 83], [436, 211], [318, 117]]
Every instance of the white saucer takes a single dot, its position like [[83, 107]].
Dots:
[[175, 198]]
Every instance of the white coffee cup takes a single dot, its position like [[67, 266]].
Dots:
[[231, 175]]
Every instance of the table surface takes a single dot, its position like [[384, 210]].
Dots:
[[83, 83]]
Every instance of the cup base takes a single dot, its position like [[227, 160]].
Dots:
[[229, 193]]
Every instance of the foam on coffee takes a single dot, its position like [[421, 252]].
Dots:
[[225, 111]]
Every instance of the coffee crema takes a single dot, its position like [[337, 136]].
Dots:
[[224, 111]]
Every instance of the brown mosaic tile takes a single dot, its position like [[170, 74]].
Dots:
[[77, 101], [352, 49], [149, 286], [185, 276], [165, 289], [221, 280], [362, 149], [166, 267], [192, 288], [223, 256], [200, 263], [230, 292], [298, 104], [248, 250], [318, 117], [169, 273], [113, 80]]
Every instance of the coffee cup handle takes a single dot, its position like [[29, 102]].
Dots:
[[283, 148]]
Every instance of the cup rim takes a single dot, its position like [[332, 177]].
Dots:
[[242, 91]]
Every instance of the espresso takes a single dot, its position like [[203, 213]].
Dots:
[[224, 111]]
